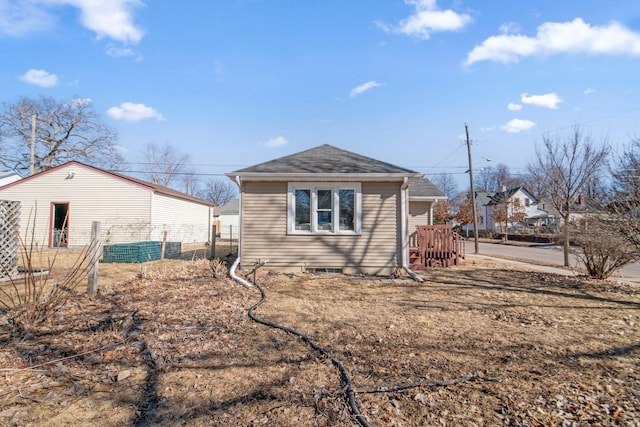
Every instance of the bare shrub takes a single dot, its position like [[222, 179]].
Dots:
[[219, 268], [602, 248], [41, 288]]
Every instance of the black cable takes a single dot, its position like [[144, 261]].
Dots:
[[344, 374]]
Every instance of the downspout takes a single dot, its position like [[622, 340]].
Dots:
[[403, 229], [232, 270], [431, 212]]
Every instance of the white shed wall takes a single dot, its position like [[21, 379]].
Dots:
[[184, 221], [230, 225]]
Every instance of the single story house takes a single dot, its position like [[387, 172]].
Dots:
[[60, 204], [326, 209]]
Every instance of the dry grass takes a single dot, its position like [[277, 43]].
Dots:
[[175, 347]]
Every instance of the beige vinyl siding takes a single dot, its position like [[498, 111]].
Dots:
[[264, 231], [183, 220], [418, 214], [122, 207]]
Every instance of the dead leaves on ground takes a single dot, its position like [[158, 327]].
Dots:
[[176, 347]]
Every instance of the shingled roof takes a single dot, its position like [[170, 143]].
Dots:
[[324, 159], [424, 189]]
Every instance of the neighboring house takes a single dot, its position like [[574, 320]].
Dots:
[[581, 209], [228, 219], [518, 196], [325, 209], [485, 219], [8, 178], [59, 205]]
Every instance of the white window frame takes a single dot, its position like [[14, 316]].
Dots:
[[335, 188]]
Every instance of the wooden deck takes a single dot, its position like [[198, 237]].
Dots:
[[435, 246]]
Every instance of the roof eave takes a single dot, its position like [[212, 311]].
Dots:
[[336, 177], [427, 198]]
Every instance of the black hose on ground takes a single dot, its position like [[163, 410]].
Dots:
[[344, 374]]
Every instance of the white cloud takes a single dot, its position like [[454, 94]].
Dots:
[[278, 141], [107, 18], [550, 100], [117, 52], [510, 28], [514, 107], [112, 19], [18, 18], [39, 78], [518, 125], [554, 38], [427, 19], [363, 88], [130, 112], [589, 91]]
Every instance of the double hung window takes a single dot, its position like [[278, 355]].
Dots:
[[324, 208]]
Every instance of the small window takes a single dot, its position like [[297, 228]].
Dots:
[[324, 208], [347, 209], [527, 202], [303, 210]]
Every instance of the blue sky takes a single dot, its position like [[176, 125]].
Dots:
[[237, 82]]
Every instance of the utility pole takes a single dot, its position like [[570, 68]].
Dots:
[[32, 146], [473, 194]]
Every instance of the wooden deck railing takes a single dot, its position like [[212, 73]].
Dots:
[[437, 245]]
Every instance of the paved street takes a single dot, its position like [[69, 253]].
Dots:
[[545, 254]]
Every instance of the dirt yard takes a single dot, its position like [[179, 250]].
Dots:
[[471, 346]]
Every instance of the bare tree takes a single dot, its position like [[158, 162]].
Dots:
[[166, 166], [218, 192], [625, 191], [534, 184], [190, 183], [491, 179], [484, 180], [565, 166], [447, 184], [41, 133]]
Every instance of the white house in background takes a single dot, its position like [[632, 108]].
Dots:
[[59, 205], [229, 219], [8, 177], [486, 202]]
